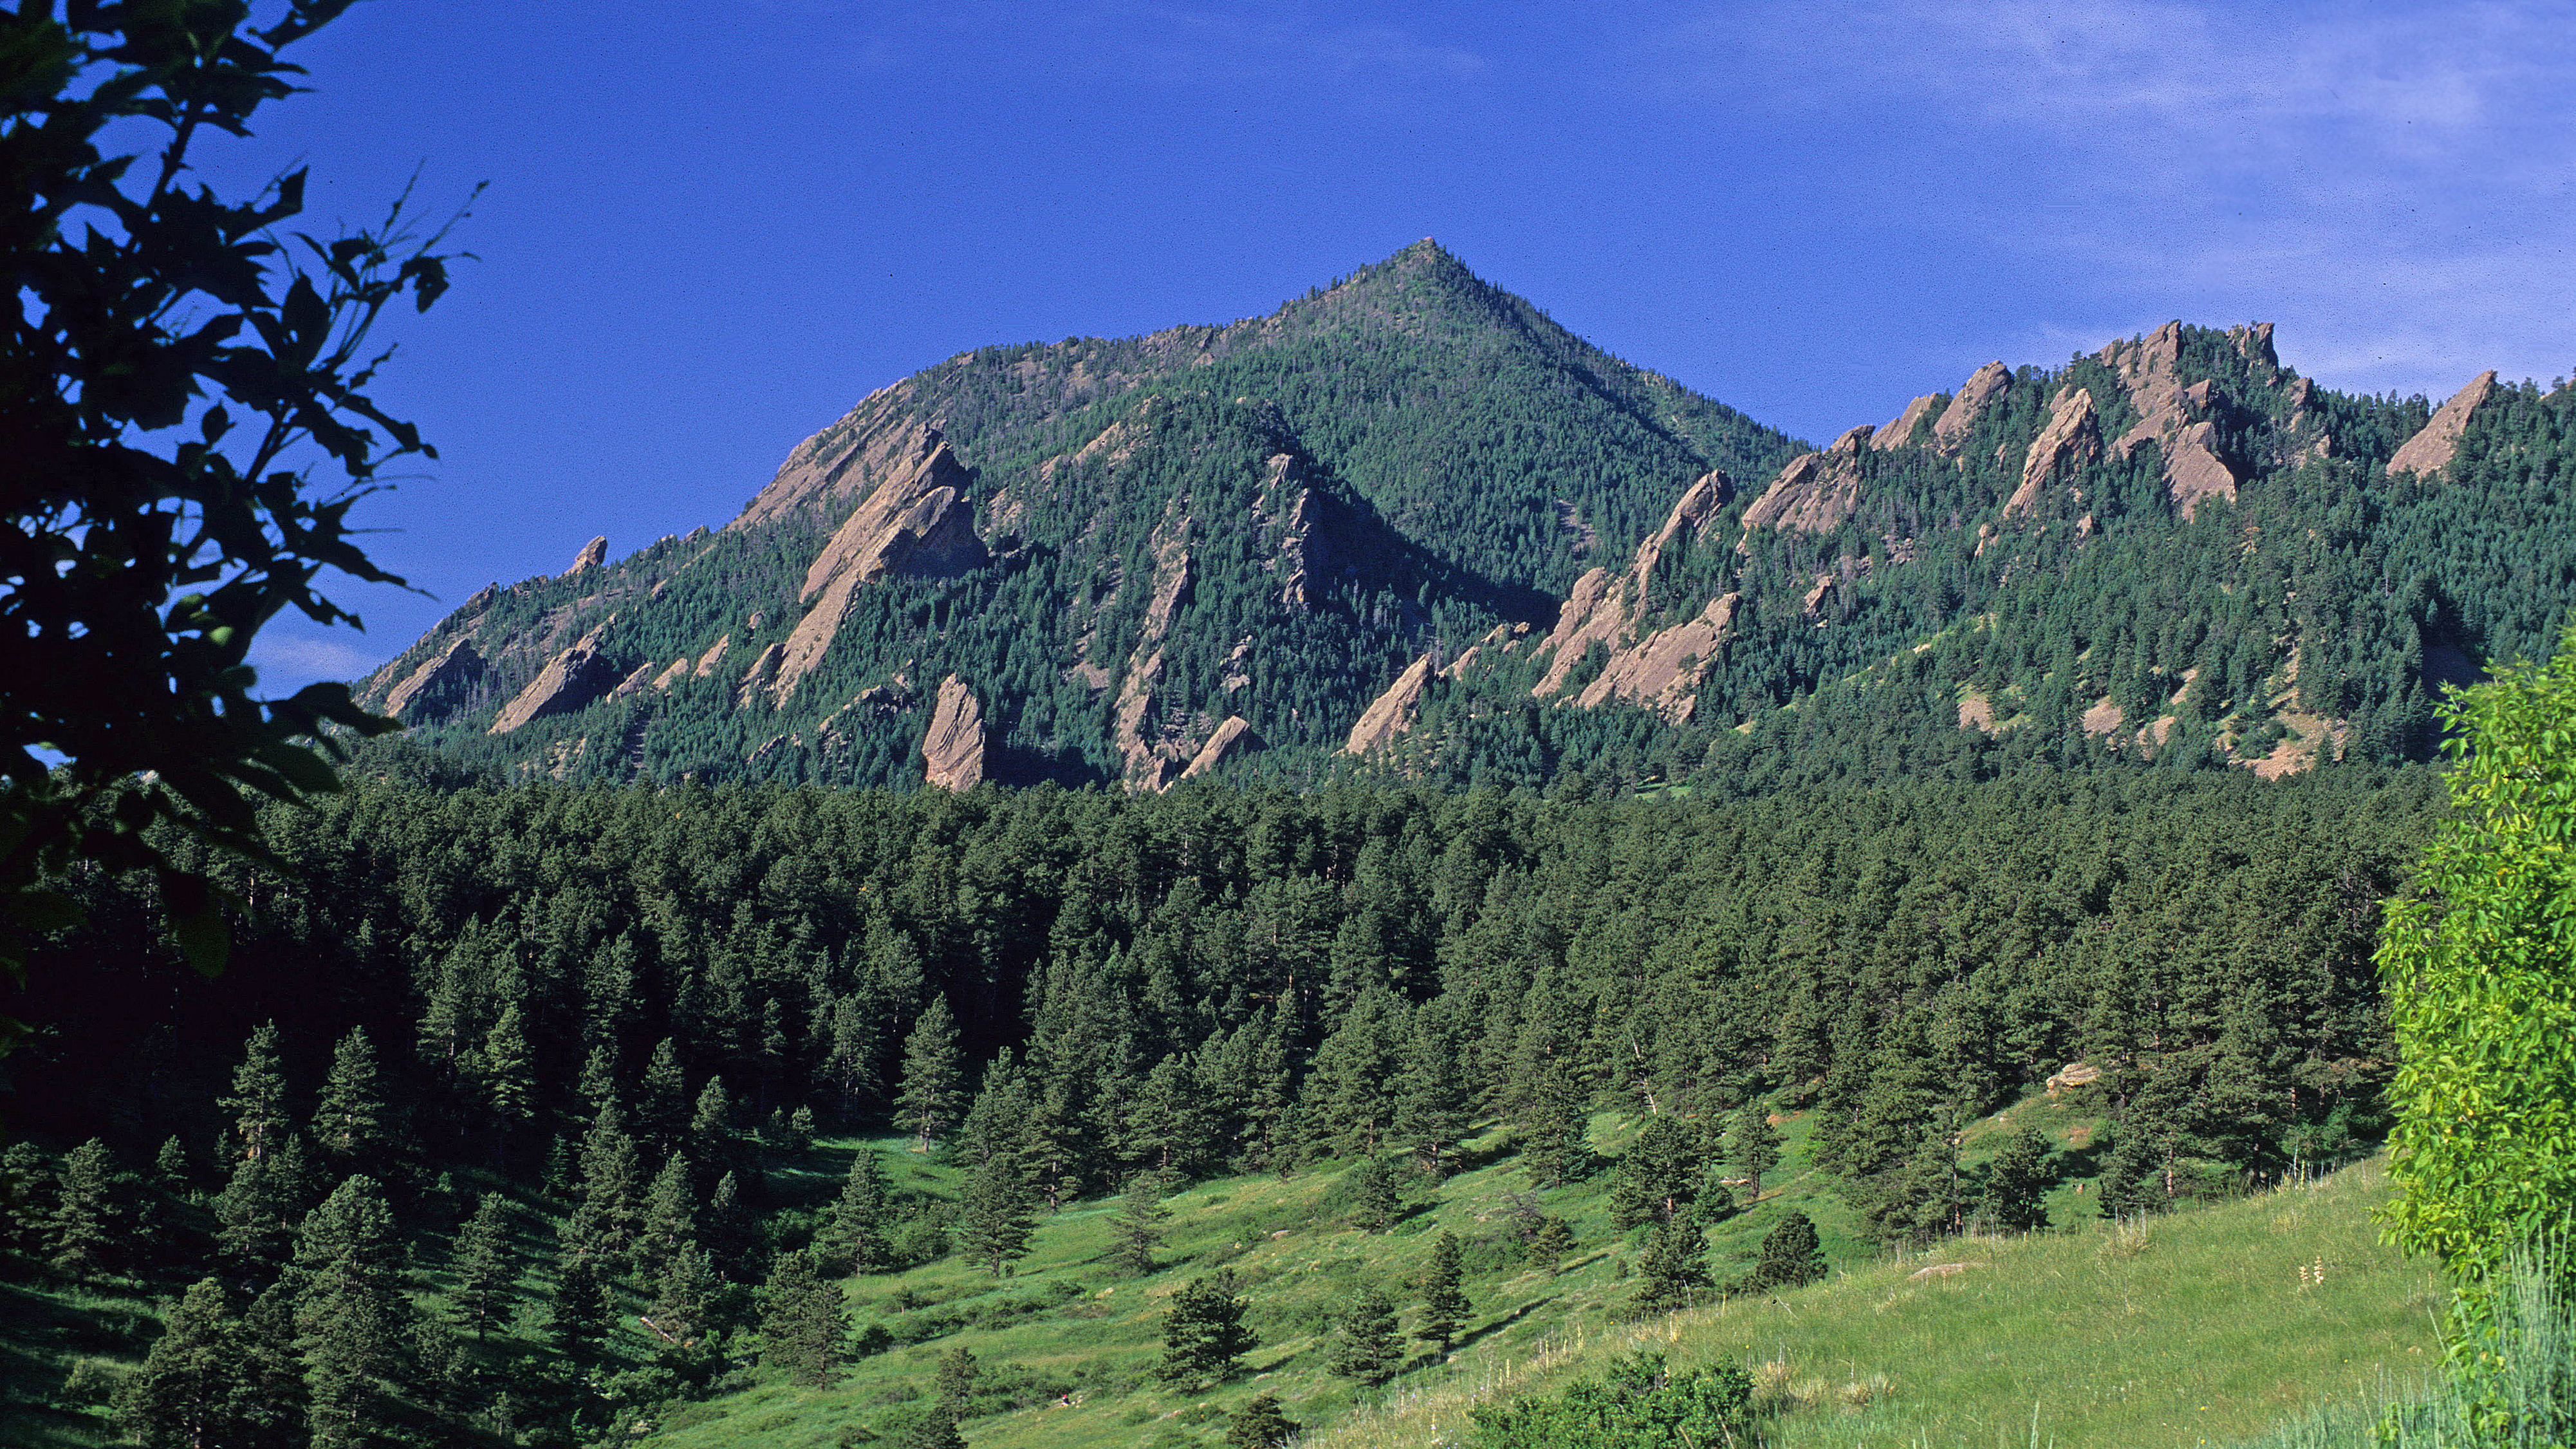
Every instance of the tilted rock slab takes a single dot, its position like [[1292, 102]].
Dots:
[[1232, 738], [1950, 431], [458, 664], [2437, 444], [917, 522], [571, 680], [2174, 417], [2070, 441], [952, 754], [1391, 713]]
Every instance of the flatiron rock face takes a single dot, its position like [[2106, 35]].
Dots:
[[952, 754], [576, 677], [2431, 450]]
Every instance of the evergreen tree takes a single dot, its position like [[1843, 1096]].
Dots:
[[670, 1217], [1659, 1176], [664, 1095], [2129, 1182], [1166, 1126], [26, 1197], [1204, 1337], [804, 1328], [935, 1429], [1555, 1136], [854, 1238], [1136, 1233], [1444, 1298], [1259, 1424], [996, 1130], [1672, 1271], [273, 1399], [957, 1374], [1791, 1257], [350, 1123], [994, 1221], [598, 1082], [254, 1231], [1431, 1096], [611, 1210], [2014, 1183], [1755, 1146], [1368, 1345], [93, 1209], [1375, 1194], [580, 1308], [486, 1273], [682, 1319], [932, 1080], [507, 1076], [171, 1170], [352, 1318], [257, 1102], [190, 1392], [1551, 1242]]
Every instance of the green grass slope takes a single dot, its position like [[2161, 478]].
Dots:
[[2205, 1325]]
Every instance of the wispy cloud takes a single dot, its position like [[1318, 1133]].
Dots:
[[2391, 184], [287, 661]]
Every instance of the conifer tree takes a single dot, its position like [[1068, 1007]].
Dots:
[[171, 1170], [1368, 1346], [1136, 1233], [1431, 1096], [932, 1080], [1555, 1136], [611, 1190], [682, 1319], [803, 1326], [1444, 1297], [711, 1121], [254, 1229], [996, 1130], [854, 1238], [1551, 1242], [1375, 1194], [189, 1392], [93, 1211], [1166, 1125], [725, 1229], [664, 1095], [1259, 1424], [1204, 1337], [994, 1221], [508, 1077], [935, 1429], [598, 1082], [485, 1269], [2014, 1184], [670, 1217], [958, 1371], [351, 1318], [26, 1197], [350, 1122], [1755, 1146], [580, 1308], [1659, 1176], [1672, 1271], [273, 1401], [257, 1102], [1791, 1256]]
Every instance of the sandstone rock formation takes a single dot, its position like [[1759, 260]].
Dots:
[[1978, 393], [1391, 713], [593, 554], [1816, 492], [2068, 442], [454, 667], [576, 677], [2438, 442], [1660, 670], [2176, 418], [917, 522], [1233, 737], [1899, 431], [952, 754]]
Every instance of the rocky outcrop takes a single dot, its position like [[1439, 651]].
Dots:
[[1969, 405], [2438, 441], [1391, 713], [1661, 669], [593, 554], [828, 471], [1234, 737], [571, 680], [952, 754], [635, 683], [2175, 417], [761, 676], [1150, 759], [452, 671], [918, 522], [2069, 441], [1899, 430], [1816, 492]]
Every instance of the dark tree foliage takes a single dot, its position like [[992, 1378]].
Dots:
[[1791, 1257], [1136, 1233], [1553, 1239], [2014, 1182], [1638, 1404], [1445, 1309], [1260, 1424], [146, 540], [1672, 1268], [485, 1268], [1368, 1344], [804, 1327], [1204, 1337]]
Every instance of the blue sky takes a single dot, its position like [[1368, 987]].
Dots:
[[709, 229]]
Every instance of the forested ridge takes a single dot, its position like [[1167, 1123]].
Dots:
[[2174, 550], [627, 1008]]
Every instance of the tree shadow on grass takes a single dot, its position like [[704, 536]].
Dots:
[[1479, 1334]]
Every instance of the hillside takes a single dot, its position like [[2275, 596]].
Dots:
[[1406, 524]]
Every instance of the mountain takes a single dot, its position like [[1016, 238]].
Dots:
[[1407, 523]]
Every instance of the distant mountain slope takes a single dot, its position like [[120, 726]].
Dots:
[[1406, 523]]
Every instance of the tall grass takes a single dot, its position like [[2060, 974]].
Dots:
[[2511, 1382]]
